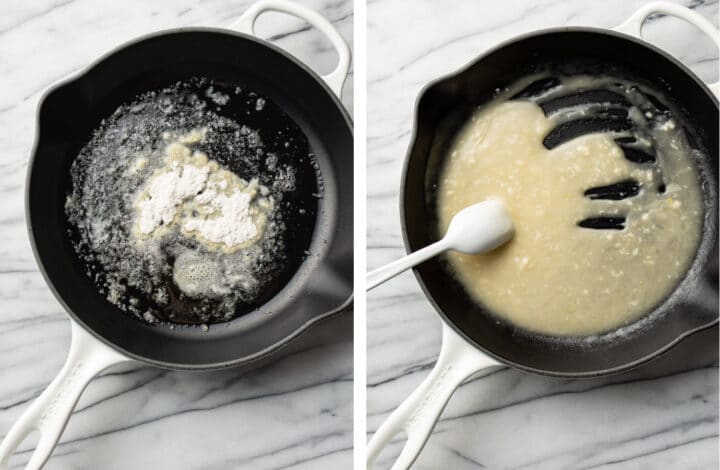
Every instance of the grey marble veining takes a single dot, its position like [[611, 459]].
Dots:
[[296, 413], [662, 416]]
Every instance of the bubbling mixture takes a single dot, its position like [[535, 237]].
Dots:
[[179, 213], [582, 261]]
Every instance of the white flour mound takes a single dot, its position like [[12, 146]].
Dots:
[[206, 201], [166, 192], [234, 226]]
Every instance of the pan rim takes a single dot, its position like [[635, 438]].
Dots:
[[73, 317], [403, 188]]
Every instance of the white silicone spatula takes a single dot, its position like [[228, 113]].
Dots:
[[476, 229]]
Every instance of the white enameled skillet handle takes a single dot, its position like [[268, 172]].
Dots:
[[336, 78], [418, 414], [50, 412], [633, 26]]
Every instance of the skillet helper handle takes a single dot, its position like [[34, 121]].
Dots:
[[633, 26], [50, 412], [336, 78], [418, 414]]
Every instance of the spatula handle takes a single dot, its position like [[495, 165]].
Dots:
[[389, 271]]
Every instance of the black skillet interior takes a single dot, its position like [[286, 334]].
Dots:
[[442, 107], [320, 283]]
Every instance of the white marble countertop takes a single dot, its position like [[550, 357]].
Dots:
[[665, 416], [296, 413]]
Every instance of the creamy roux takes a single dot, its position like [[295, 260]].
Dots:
[[555, 277]]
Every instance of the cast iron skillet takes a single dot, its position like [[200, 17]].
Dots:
[[102, 335], [474, 339]]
